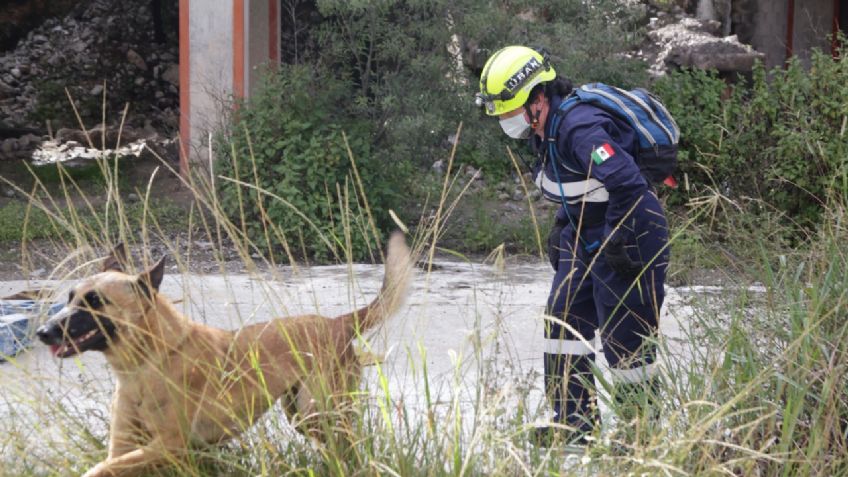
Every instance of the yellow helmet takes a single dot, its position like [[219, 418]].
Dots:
[[508, 77]]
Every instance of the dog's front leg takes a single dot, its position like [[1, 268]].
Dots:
[[132, 463], [124, 426]]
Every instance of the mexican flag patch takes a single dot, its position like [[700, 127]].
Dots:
[[602, 153]]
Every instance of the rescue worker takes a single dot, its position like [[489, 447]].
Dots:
[[608, 246]]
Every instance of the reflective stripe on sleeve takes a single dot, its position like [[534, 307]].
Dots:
[[573, 347], [634, 375]]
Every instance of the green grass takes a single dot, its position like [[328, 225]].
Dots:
[[35, 223]]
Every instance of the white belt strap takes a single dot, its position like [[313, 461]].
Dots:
[[573, 347], [634, 375], [590, 190]]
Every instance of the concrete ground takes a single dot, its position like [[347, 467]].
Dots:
[[470, 323]]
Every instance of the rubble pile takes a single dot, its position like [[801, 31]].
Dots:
[[100, 46]]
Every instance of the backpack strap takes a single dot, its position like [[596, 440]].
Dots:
[[564, 107]]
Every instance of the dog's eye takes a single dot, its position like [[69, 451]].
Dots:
[[93, 301]]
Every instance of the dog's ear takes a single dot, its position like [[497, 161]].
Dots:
[[150, 280], [116, 260]]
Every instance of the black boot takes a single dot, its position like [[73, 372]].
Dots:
[[570, 387]]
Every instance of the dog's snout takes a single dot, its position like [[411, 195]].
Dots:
[[49, 333]]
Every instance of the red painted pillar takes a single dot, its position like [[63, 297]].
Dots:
[[790, 30], [185, 89], [834, 41], [274, 32], [238, 48]]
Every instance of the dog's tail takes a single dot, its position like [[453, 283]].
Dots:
[[396, 281]]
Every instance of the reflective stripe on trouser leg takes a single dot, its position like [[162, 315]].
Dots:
[[629, 346], [568, 365]]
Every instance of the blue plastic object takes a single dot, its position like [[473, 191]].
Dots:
[[14, 334], [17, 320]]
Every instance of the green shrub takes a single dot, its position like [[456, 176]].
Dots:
[[401, 80], [780, 137], [585, 41], [288, 142]]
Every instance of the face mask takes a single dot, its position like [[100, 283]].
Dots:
[[516, 127]]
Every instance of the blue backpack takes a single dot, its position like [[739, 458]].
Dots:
[[658, 133]]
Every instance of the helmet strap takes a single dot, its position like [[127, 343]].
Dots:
[[534, 118]]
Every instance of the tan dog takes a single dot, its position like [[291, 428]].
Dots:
[[182, 384]]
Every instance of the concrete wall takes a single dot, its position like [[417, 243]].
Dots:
[[210, 69], [225, 45], [812, 23], [769, 35], [263, 44]]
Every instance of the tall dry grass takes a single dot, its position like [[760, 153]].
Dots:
[[759, 385]]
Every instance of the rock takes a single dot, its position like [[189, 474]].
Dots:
[[692, 43], [16, 72], [97, 90], [28, 142], [78, 46], [9, 146], [439, 167], [136, 60], [132, 197], [71, 136], [6, 90], [503, 196], [517, 195], [204, 245], [172, 74]]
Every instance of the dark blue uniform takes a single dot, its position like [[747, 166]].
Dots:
[[605, 194]]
